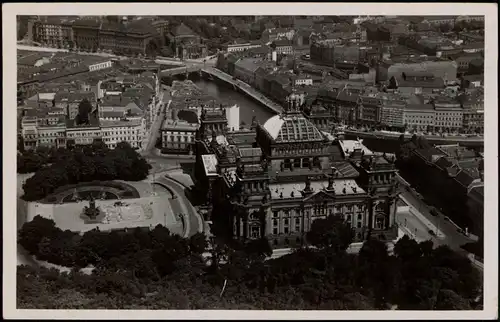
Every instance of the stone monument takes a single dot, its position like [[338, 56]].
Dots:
[[92, 214]]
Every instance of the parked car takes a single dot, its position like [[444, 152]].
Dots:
[[434, 212]]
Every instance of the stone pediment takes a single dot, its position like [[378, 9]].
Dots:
[[320, 196]]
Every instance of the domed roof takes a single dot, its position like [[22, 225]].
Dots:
[[292, 128]]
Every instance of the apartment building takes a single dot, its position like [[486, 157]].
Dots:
[[129, 130], [29, 132], [419, 116], [449, 114], [54, 32], [39, 132], [43, 128], [284, 46], [178, 136], [392, 110], [53, 135], [473, 110], [82, 134], [369, 107]]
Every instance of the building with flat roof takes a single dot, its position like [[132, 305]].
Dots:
[[444, 69]]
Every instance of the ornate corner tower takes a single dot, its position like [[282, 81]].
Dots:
[[378, 178]]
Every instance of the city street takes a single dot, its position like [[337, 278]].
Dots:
[[184, 205], [154, 130], [415, 227], [452, 238]]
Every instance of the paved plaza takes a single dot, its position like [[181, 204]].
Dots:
[[129, 213], [152, 208]]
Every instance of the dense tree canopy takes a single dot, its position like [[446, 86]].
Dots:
[[33, 160], [331, 233], [152, 269], [84, 109], [81, 164]]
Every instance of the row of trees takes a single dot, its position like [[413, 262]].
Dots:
[[62, 167], [151, 269]]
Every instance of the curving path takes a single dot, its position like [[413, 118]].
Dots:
[[182, 204]]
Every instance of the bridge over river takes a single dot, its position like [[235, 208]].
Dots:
[[205, 68]]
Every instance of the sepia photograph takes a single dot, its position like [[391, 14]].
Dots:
[[224, 158]]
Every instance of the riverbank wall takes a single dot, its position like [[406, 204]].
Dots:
[[243, 88], [474, 143]]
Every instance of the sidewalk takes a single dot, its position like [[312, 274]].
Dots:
[[423, 219], [406, 231]]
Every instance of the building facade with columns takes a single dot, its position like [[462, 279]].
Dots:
[[293, 174]]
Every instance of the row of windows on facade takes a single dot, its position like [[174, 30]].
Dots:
[[121, 139], [298, 227], [134, 144], [449, 114], [473, 116], [50, 134], [113, 133], [301, 150], [300, 163], [49, 140], [322, 210], [178, 133], [77, 140], [454, 124], [449, 119], [83, 134], [179, 138], [105, 133], [379, 223]]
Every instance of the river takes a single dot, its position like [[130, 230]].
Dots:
[[248, 107]]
